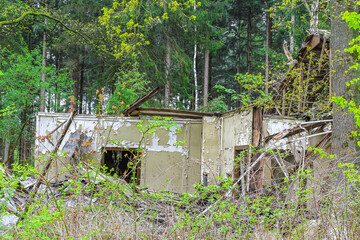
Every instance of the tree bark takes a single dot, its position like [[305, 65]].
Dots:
[[7, 149], [167, 68], [75, 78], [206, 77], [7, 152], [43, 75], [343, 123], [292, 40], [194, 67], [313, 10], [81, 87], [268, 46], [59, 66], [22, 143], [249, 44]]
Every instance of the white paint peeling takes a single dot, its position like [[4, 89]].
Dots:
[[210, 119], [171, 144], [155, 140], [173, 135], [275, 126]]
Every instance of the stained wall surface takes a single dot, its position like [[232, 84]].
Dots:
[[220, 137], [166, 165]]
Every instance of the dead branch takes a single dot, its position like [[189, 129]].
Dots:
[[51, 158]]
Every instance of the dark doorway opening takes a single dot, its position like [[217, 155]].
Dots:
[[241, 163], [122, 162]]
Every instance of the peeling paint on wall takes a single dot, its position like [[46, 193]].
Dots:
[[276, 125], [220, 136], [120, 132]]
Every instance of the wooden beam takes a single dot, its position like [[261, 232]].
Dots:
[[138, 102], [295, 130], [257, 124], [169, 113]]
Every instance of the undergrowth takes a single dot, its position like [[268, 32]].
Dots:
[[99, 206]]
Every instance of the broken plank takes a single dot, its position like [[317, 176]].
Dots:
[[256, 142], [169, 113], [50, 160], [138, 102], [295, 130]]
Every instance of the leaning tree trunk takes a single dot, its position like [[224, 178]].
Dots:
[[343, 121]]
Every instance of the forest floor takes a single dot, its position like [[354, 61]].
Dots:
[[104, 207]]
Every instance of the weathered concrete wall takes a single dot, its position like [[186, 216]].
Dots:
[[236, 131], [220, 137], [165, 166], [210, 149]]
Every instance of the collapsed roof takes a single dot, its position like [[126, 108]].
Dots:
[[308, 83]]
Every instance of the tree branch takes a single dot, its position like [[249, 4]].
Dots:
[[25, 14]]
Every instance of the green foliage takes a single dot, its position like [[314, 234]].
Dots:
[[20, 84], [21, 79], [353, 19], [129, 86], [253, 93], [217, 104], [8, 111]]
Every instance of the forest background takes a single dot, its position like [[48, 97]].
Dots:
[[99, 56]]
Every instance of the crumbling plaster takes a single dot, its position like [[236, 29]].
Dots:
[[220, 136], [208, 150], [165, 166], [274, 125]]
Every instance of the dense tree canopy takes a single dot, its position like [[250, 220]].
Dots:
[[99, 56]]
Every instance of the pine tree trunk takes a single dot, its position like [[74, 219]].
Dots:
[[81, 88], [167, 68], [343, 122], [268, 46], [22, 140], [75, 78], [249, 47], [43, 75], [206, 77], [1, 149], [59, 66], [29, 139], [7, 149], [10, 160]]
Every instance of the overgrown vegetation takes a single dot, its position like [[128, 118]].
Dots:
[[96, 205], [91, 203]]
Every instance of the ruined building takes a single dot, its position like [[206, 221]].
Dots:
[[212, 144]]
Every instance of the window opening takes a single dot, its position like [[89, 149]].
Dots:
[[121, 162]]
